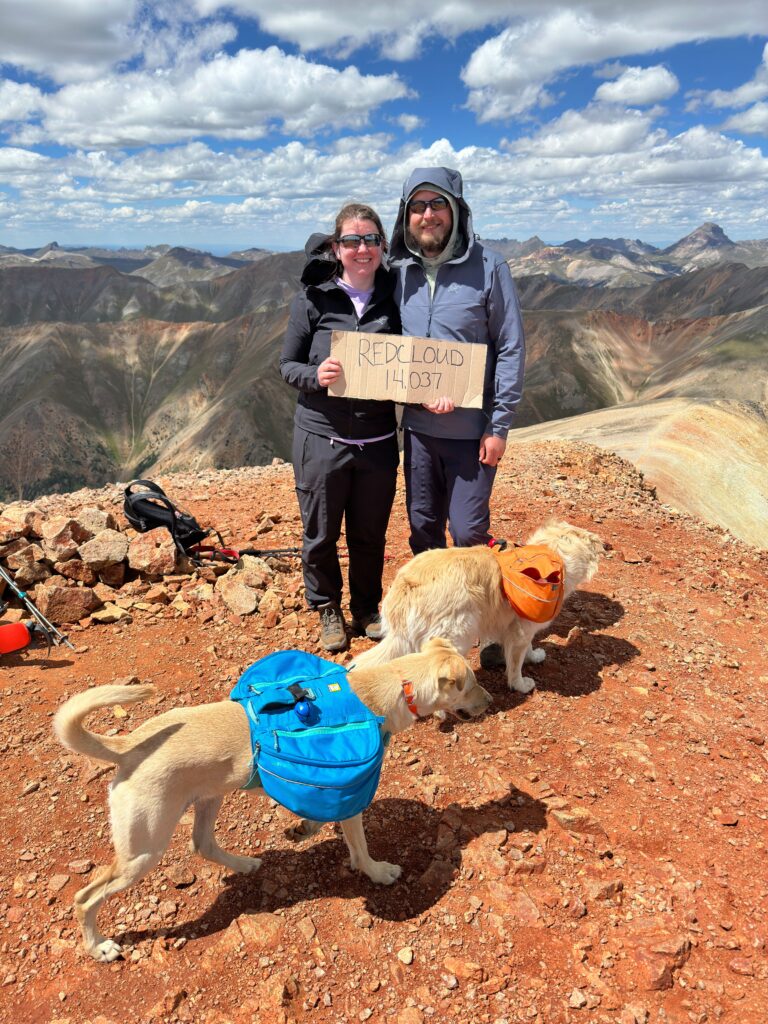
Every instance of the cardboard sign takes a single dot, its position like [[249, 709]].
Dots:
[[406, 369]]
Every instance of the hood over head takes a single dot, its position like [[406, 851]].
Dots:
[[321, 264], [447, 182]]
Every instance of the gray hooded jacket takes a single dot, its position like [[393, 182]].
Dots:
[[474, 301]]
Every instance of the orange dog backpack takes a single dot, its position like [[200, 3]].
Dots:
[[533, 578]]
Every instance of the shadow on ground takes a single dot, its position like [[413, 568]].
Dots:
[[426, 842], [574, 660]]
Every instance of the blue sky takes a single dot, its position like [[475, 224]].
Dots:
[[222, 126]]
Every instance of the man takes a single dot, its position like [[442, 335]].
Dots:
[[451, 287]]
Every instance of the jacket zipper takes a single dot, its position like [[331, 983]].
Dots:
[[427, 333], [431, 300]]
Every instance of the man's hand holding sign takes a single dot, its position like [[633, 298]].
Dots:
[[439, 374]]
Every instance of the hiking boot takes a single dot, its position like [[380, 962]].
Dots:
[[492, 656], [368, 625], [333, 636]]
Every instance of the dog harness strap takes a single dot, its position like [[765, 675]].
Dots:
[[410, 697]]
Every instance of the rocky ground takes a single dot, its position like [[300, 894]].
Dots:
[[593, 852]]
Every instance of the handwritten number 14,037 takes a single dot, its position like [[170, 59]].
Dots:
[[416, 378]]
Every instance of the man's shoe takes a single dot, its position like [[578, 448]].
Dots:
[[492, 656], [368, 625], [333, 636]]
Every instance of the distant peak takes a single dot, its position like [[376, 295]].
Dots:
[[709, 232], [712, 230], [707, 236], [182, 252]]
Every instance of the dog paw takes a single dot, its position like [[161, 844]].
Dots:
[[244, 865], [384, 873], [534, 655], [304, 830], [523, 685], [106, 951]]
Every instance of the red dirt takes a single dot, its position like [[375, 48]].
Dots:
[[593, 852]]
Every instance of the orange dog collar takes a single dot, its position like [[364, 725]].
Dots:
[[410, 697]]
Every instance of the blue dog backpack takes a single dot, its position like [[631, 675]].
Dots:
[[317, 749]]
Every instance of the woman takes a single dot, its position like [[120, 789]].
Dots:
[[345, 453]]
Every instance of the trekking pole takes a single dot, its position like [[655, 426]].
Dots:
[[276, 552], [47, 627], [200, 551]]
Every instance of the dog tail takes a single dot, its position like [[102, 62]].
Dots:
[[68, 722]]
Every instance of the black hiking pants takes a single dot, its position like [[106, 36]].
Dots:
[[350, 482]]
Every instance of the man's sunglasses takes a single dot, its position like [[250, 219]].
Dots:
[[419, 206], [372, 241]]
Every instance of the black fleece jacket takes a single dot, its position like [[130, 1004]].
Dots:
[[319, 308]]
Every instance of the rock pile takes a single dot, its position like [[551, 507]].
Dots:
[[91, 567]]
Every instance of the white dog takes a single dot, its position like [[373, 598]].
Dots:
[[457, 593], [196, 755]]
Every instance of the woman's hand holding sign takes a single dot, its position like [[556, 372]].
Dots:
[[328, 371]]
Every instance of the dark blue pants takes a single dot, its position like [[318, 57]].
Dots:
[[445, 483], [357, 485]]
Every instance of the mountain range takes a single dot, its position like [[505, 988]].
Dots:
[[621, 262], [614, 262], [141, 361], [161, 264]]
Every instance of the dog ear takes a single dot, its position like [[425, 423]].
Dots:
[[452, 674]]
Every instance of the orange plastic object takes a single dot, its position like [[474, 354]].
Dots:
[[13, 636]]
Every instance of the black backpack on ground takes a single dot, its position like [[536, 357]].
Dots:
[[151, 507]]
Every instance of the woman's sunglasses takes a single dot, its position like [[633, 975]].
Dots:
[[372, 241]]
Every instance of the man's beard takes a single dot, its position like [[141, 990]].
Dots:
[[434, 245]]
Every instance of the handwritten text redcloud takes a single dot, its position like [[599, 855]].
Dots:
[[406, 369]]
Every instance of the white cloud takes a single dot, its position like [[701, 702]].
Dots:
[[701, 155], [610, 70], [143, 89], [753, 121], [239, 97], [409, 122], [181, 44], [514, 71], [81, 40], [14, 161], [546, 167], [194, 194], [18, 101], [399, 29], [595, 131], [724, 99], [639, 86], [69, 41]]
